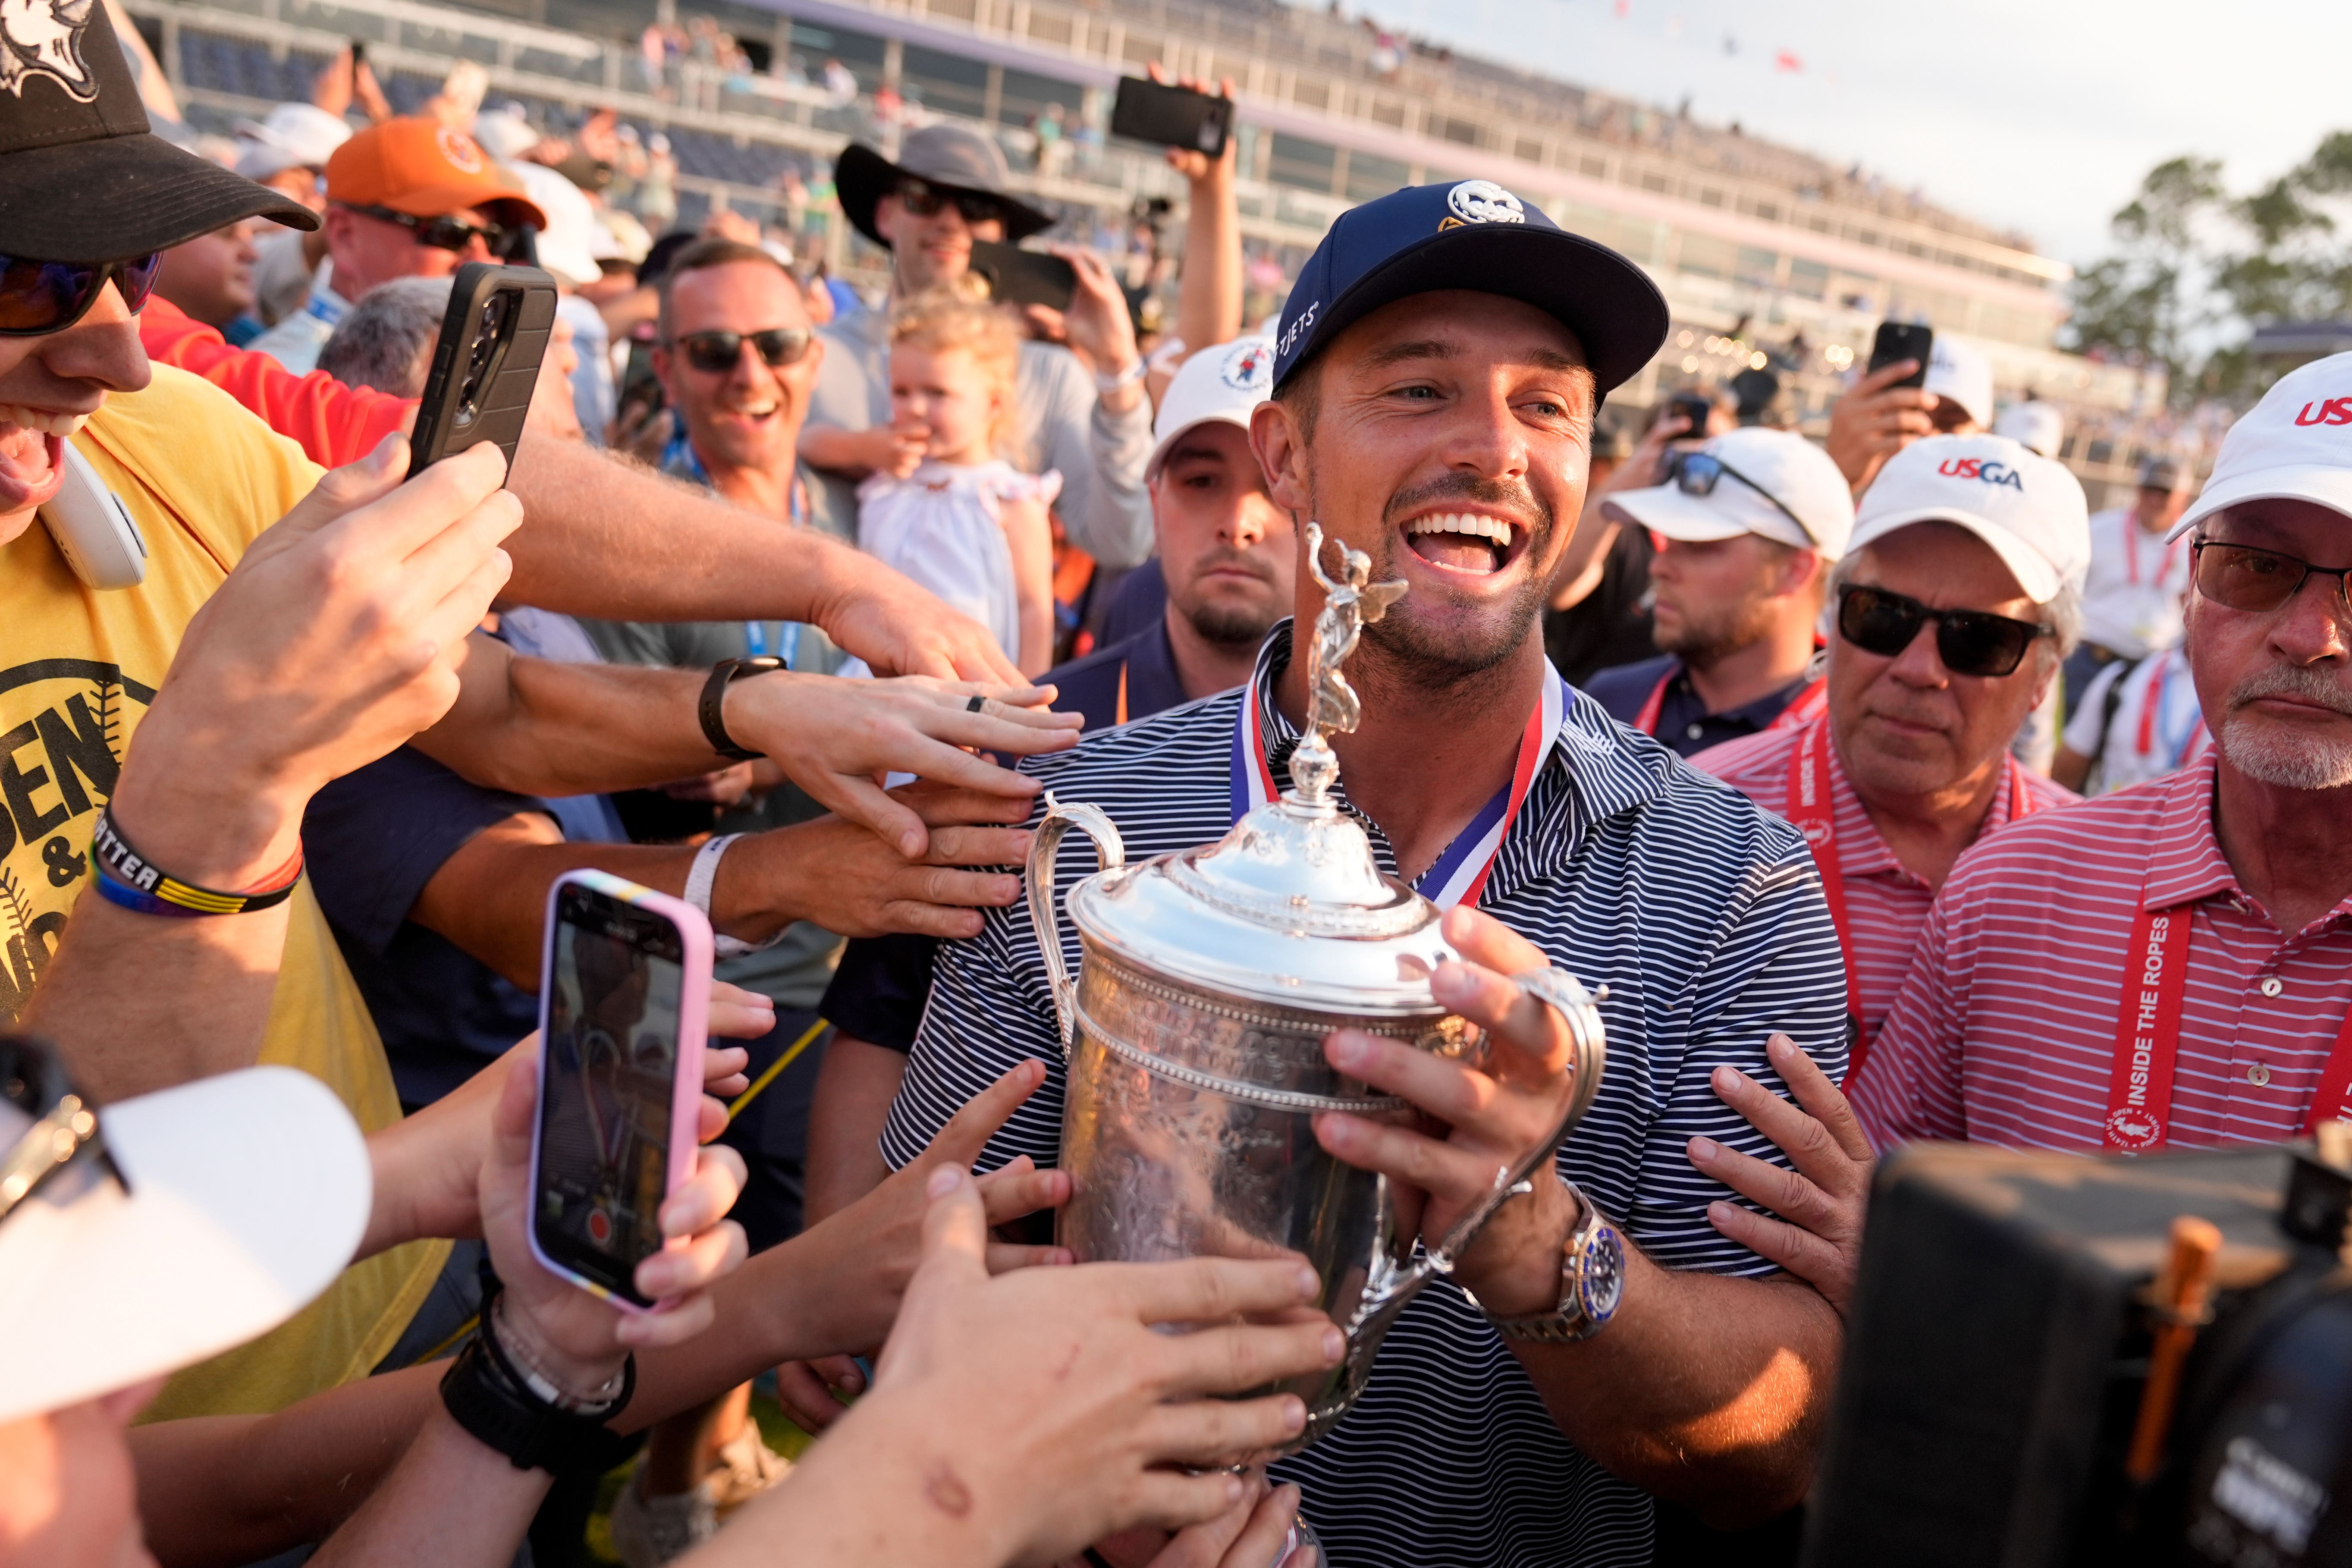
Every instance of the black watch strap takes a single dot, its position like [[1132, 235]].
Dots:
[[485, 1397], [714, 691]]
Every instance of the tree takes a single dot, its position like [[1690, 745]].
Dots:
[[2144, 304]]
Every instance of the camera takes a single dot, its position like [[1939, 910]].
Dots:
[[2046, 1364]]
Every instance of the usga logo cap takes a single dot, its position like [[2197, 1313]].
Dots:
[[2029, 509], [1472, 233], [2295, 445]]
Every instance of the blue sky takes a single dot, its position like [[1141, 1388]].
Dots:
[[2040, 115]]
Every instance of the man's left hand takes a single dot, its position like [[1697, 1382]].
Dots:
[[1822, 1202], [1487, 1120], [901, 628]]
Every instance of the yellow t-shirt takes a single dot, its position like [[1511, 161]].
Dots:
[[77, 667]]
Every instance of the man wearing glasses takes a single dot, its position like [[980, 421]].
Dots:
[[1747, 527], [1079, 410], [2172, 965], [408, 198]]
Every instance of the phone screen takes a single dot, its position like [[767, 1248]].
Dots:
[[607, 1082]]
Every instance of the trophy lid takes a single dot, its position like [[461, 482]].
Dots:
[[1289, 906]]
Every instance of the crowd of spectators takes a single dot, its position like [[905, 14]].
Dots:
[[793, 605]]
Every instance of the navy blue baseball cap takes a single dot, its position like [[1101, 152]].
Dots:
[[1475, 235]]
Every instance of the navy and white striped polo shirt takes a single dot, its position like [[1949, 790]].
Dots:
[[1703, 916]]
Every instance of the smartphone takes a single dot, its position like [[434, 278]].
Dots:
[[358, 54], [485, 363], [1899, 341], [1148, 110], [1696, 409], [1018, 277], [93, 529], [624, 998]]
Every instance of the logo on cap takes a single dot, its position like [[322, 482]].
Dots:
[[1483, 201], [1249, 368], [43, 37], [459, 149], [2332, 411], [1984, 472]]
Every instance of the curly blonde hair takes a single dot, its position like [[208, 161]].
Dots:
[[950, 318]]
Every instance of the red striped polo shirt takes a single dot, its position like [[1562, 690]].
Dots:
[[2004, 1031], [1885, 904]]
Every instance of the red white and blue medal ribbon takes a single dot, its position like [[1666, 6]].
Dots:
[[1459, 875]]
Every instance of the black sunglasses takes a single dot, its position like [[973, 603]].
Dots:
[[442, 233], [2241, 577], [64, 1125], [1696, 473], [42, 297], [926, 201], [714, 353], [1969, 642]]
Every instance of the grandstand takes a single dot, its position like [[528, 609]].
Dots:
[[1765, 254]]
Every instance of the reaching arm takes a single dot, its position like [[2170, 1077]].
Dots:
[[1029, 538]]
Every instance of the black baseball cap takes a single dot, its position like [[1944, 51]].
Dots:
[[83, 178], [1474, 235]]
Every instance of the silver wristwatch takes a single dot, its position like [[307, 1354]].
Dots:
[[1591, 1283]]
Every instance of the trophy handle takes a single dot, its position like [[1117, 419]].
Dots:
[[1045, 850]]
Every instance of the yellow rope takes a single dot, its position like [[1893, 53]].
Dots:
[[779, 1065]]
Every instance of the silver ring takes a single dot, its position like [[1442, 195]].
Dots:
[[976, 704]]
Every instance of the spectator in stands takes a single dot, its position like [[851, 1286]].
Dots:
[[211, 279], [384, 343], [407, 198], [948, 189], [286, 150], [1568, 1439], [2136, 722], [958, 518], [1875, 418], [1232, 554], [2037, 426], [1747, 527], [1954, 605], [2172, 965], [2139, 576]]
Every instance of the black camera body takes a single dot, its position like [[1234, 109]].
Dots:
[[1999, 1350]]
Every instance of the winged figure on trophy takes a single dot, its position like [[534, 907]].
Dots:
[[1351, 604]]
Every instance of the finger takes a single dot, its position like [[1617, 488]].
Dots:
[[1803, 1139], [1796, 1249], [1220, 1431], [416, 514], [941, 806], [1214, 1289], [1206, 1543], [1777, 1187], [805, 1397], [1535, 1035], [705, 1259], [955, 849], [841, 1372], [1815, 1091], [1168, 1499], [864, 802], [1008, 1195], [1045, 319], [1457, 1175], [955, 1231], [1446, 1089], [711, 1118], [669, 1323], [1261, 1540], [970, 1129], [1885, 376], [947, 922], [745, 1015], [1004, 1258], [953, 887], [346, 490], [1483, 938], [702, 1198]]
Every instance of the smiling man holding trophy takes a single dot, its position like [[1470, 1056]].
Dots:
[[1269, 1028]]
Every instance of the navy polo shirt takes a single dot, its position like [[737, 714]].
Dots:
[[877, 992], [1685, 726]]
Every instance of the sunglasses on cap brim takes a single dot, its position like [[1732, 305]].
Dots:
[[37, 297], [64, 1125], [1969, 642], [1696, 473]]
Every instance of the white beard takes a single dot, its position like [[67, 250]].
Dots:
[[2270, 756]]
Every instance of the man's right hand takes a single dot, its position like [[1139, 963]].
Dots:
[[333, 641], [1875, 419], [836, 738], [853, 883]]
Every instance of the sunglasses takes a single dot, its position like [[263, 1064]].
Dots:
[[1696, 473], [2241, 577], [442, 233], [927, 201], [714, 353], [64, 1129], [40, 296], [1969, 642]]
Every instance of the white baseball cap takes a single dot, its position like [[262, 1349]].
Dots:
[[2296, 445], [1219, 384], [2029, 509], [566, 247], [242, 1198], [291, 135], [1779, 466], [2037, 426], [1957, 370]]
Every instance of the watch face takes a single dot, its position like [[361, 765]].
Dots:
[[1600, 1276]]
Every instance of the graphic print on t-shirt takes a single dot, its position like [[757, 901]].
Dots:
[[64, 724]]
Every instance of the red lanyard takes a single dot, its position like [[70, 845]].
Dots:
[[1810, 809], [2131, 552], [1803, 708], [2152, 698], [2147, 1039]]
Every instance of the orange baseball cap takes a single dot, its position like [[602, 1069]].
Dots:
[[422, 168]]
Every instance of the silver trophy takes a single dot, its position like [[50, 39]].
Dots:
[[1193, 1034]]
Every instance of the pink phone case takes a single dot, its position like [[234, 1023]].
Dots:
[[693, 1024]]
